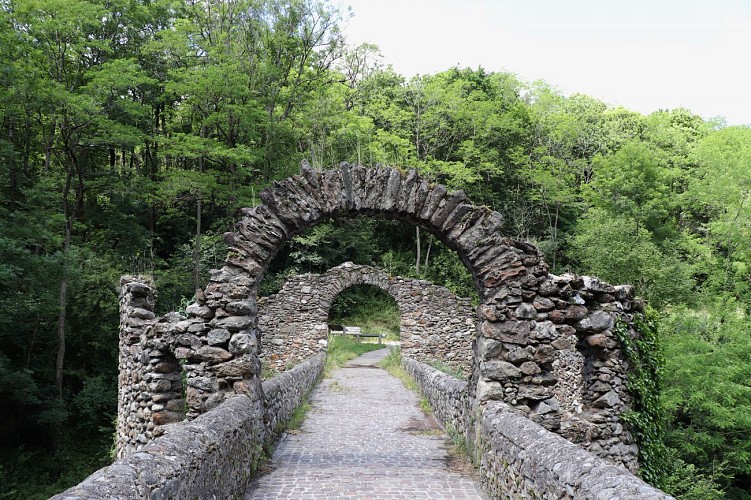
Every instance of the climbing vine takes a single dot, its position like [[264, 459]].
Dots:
[[645, 357]]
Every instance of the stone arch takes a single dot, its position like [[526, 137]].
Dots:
[[435, 325], [531, 326]]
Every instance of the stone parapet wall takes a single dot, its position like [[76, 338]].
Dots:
[[212, 456], [520, 459], [435, 324], [284, 393], [448, 396]]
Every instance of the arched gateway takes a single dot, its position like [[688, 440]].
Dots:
[[545, 344], [434, 324]]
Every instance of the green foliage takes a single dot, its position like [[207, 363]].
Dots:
[[617, 249], [660, 465], [368, 307], [708, 394], [644, 383]]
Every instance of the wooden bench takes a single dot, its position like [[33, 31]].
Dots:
[[355, 331]]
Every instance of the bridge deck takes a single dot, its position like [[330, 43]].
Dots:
[[365, 438]]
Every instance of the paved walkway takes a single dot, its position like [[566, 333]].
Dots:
[[364, 438]]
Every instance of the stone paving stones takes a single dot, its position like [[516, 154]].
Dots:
[[364, 438]]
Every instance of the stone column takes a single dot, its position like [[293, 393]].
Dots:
[[150, 389], [136, 314]]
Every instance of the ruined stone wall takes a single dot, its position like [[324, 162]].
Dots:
[[435, 324], [150, 389], [212, 352], [552, 353], [545, 344]]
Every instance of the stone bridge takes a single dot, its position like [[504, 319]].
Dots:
[[545, 361]]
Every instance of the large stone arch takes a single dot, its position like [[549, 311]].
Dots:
[[435, 324], [545, 344]]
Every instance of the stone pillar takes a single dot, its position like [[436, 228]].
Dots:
[[136, 314], [149, 385], [224, 362]]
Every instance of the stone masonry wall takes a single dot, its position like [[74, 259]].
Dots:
[[555, 358], [212, 456], [215, 353], [149, 386], [284, 393], [448, 396], [209, 457], [520, 459], [435, 324]]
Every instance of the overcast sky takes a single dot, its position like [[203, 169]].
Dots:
[[642, 54]]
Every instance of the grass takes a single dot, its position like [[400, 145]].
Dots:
[[298, 417], [267, 371], [447, 369], [341, 349], [460, 446], [393, 364]]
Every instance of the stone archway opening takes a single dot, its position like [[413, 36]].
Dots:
[[369, 308], [434, 325]]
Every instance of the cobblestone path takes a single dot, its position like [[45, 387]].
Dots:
[[364, 438]]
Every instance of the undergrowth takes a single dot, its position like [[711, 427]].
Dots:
[[447, 369]]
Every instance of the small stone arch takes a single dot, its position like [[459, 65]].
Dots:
[[545, 344], [435, 324]]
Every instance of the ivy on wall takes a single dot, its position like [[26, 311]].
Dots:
[[644, 354]]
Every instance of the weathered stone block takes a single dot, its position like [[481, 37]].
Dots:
[[596, 321], [499, 370], [199, 310], [241, 343], [217, 336], [211, 354]]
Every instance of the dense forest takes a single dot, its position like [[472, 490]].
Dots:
[[131, 132]]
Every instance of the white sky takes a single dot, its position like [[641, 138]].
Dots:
[[642, 54]]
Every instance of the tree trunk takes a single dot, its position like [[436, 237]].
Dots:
[[63, 296], [427, 252], [417, 259], [199, 213], [48, 148], [12, 176]]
